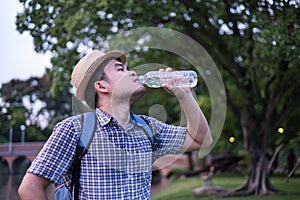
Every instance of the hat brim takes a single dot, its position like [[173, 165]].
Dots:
[[82, 87]]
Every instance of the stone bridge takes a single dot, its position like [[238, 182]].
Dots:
[[19, 154]]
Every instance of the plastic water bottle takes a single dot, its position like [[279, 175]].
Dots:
[[156, 79]]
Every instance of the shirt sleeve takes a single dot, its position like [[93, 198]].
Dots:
[[168, 139], [56, 156]]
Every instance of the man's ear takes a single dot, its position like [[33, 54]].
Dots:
[[101, 86]]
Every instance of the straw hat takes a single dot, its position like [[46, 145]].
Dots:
[[86, 67]]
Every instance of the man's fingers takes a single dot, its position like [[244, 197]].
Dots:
[[168, 69]]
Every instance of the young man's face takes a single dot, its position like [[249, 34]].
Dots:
[[123, 83]]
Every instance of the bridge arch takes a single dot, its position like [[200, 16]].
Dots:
[[20, 165], [19, 155], [4, 163]]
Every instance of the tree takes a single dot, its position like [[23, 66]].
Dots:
[[29, 102], [255, 44]]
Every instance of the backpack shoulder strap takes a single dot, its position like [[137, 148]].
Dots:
[[88, 129], [87, 134], [139, 120]]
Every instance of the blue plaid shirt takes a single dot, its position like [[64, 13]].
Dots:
[[118, 164]]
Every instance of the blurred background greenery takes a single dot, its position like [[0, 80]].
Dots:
[[255, 45]]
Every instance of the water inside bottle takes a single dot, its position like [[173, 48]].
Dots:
[[156, 79]]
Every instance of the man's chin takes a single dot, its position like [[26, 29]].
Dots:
[[138, 93]]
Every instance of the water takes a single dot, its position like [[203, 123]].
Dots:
[[9, 185], [156, 79]]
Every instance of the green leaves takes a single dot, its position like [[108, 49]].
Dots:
[[255, 44]]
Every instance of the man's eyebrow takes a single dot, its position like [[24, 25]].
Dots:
[[120, 65]]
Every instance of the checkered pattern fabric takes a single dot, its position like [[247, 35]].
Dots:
[[118, 164]]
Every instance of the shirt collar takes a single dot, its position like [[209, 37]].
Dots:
[[103, 117]]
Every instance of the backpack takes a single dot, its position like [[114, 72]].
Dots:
[[87, 134]]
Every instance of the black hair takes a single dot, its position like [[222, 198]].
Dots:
[[91, 96]]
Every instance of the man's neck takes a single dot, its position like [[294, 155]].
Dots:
[[120, 111]]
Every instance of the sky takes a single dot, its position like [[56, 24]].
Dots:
[[18, 58]]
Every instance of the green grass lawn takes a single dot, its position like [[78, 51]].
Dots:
[[181, 189]]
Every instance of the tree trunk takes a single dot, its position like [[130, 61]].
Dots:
[[191, 163], [274, 158], [258, 182], [256, 141]]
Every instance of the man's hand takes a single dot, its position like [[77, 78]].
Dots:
[[198, 133], [179, 92]]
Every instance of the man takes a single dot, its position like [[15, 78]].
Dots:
[[118, 163]]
